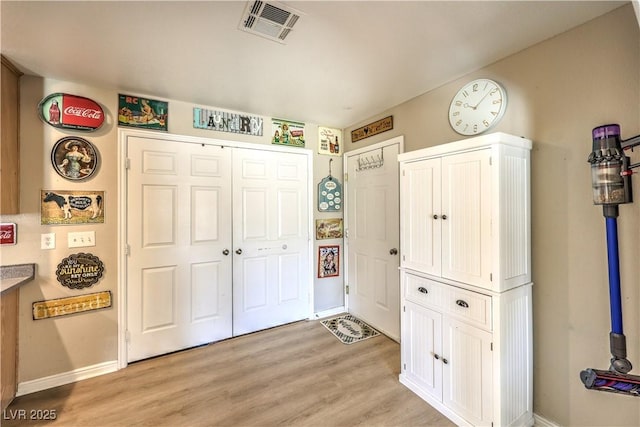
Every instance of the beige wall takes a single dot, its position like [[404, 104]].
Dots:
[[69, 343], [558, 91]]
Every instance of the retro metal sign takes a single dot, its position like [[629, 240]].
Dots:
[[78, 271], [65, 111], [71, 305], [8, 234]]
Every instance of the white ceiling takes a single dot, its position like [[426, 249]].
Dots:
[[344, 61]]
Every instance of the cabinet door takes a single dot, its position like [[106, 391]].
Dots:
[[420, 215], [466, 231], [468, 371], [421, 344]]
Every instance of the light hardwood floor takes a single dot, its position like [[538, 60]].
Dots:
[[294, 375]]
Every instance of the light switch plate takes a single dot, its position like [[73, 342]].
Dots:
[[81, 239], [48, 241]]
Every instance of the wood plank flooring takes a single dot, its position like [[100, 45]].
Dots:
[[294, 375]]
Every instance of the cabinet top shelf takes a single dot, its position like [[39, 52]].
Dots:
[[474, 143]]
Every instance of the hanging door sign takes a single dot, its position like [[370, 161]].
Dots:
[[78, 271], [329, 195], [65, 111]]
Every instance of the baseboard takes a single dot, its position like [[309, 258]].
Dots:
[[328, 313], [539, 421], [45, 383]]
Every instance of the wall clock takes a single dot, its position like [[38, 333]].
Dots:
[[477, 107]]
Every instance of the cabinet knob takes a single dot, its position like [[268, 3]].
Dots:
[[435, 217], [239, 251], [435, 356], [444, 217], [393, 251], [225, 252], [445, 361], [423, 290]]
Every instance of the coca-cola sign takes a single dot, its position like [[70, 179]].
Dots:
[[7, 233], [66, 111]]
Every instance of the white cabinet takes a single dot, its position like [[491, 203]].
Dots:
[[466, 335], [465, 216]]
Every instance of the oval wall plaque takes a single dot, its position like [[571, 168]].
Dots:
[[65, 111], [78, 271], [74, 158]]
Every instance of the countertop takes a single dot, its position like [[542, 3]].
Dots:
[[12, 276]]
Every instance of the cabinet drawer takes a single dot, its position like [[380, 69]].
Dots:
[[424, 291], [469, 306]]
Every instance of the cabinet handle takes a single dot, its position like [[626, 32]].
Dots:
[[239, 251], [462, 303], [423, 290], [435, 355], [225, 252], [435, 217], [444, 217], [393, 251], [445, 361]]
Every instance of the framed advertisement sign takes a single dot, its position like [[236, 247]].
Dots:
[[65, 111], [328, 261], [138, 112], [71, 207], [287, 133], [74, 158], [329, 141]]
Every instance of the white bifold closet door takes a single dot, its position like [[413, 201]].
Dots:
[[179, 291], [271, 271], [218, 243]]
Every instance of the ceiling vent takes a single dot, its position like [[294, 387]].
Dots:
[[269, 19]]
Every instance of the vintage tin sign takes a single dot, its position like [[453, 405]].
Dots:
[[65, 111], [8, 234], [329, 195], [74, 158], [70, 305], [78, 271], [371, 129], [224, 121], [143, 113], [287, 133]]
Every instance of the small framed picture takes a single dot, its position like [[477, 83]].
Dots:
[[74, 158], [328, 261]]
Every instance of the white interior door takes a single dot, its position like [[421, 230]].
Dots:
[[372, 228], [178, 217], [271, 217]]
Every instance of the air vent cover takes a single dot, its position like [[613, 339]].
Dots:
[[269, 19]]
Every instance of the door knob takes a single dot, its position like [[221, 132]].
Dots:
[[393, 251], [239, 251], [225, 252]]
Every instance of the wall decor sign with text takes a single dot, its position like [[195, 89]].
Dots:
[[329, 141], [329, 228], [224, 121], [74, 158], [287, 133], [78, 271], [329, 195], [143, 113], [328, 261], [71, 207], [71, 305], [371, 129], [65, 111], [8, 233]]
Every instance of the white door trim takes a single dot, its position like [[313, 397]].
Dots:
[[399, 140], [123, 134]]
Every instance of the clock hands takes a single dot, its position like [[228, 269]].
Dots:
[[481, 99]]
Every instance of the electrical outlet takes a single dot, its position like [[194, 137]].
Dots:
[[81, 239], [48, 241]]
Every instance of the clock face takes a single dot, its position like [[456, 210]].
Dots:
[[477, 107]]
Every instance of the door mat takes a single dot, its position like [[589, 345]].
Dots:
[[349, 329]]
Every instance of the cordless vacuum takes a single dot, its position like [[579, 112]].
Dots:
[[611, 180]]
